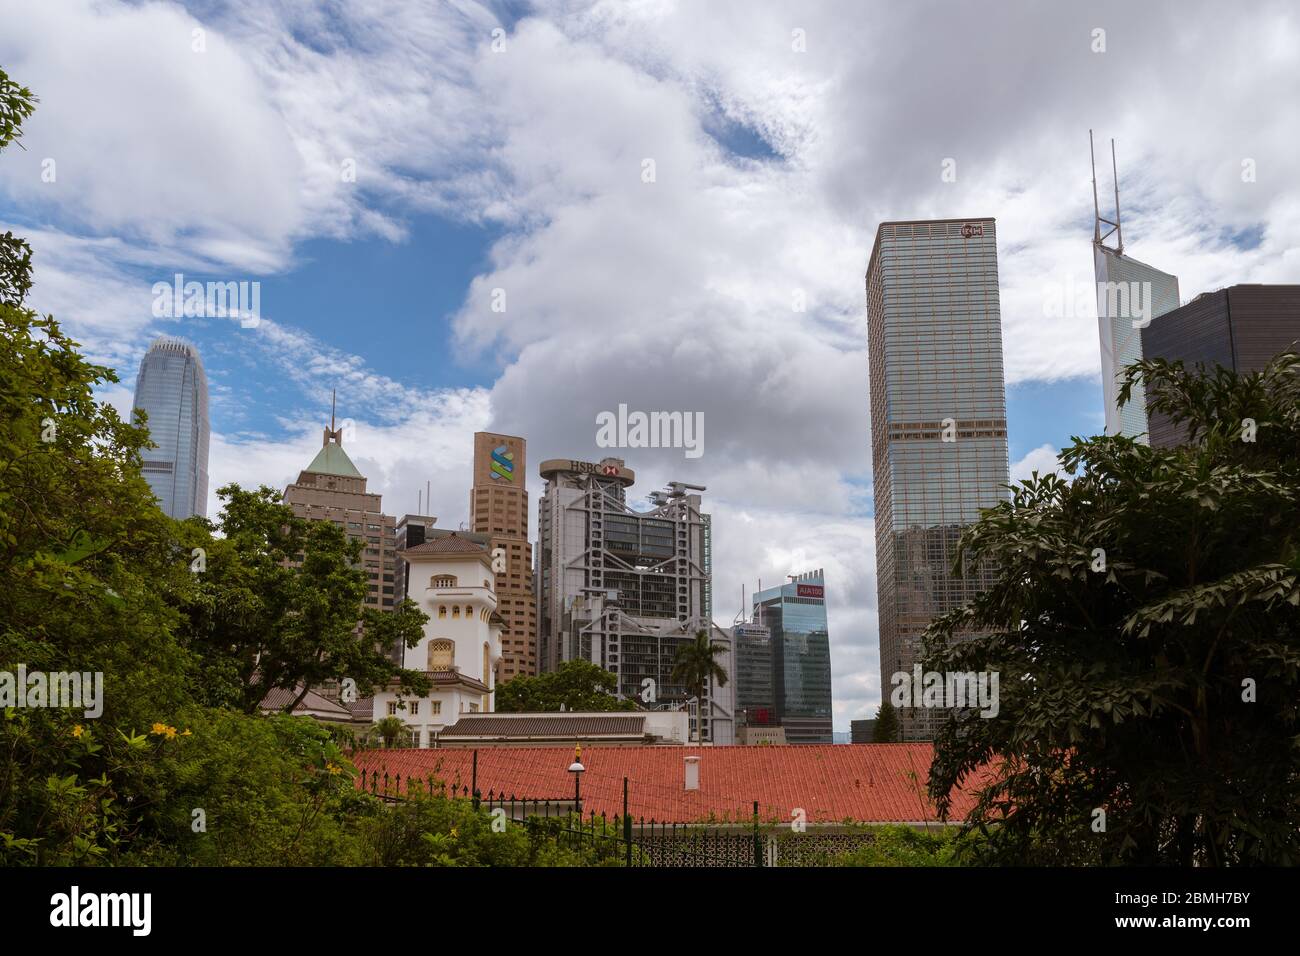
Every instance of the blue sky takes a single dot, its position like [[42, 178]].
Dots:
[[504, 147]]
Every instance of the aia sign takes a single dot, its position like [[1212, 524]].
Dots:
[[972, 230], [809, 590]]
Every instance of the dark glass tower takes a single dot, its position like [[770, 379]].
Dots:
[[938, 424], [795, 615], [172, 389]]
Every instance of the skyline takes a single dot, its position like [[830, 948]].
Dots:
[[774, 171]]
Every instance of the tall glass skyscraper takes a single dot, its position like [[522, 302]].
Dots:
[[1124, 287], [795, 615], [938, 424], [172, 389]]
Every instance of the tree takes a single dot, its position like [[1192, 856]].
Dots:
[[886, 729], [258, 622], [576, 685], [694, 667], [16, 104], [390, 730], [1145, 622]]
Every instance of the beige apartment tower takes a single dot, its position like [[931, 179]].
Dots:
[[498, 508], [331, 489]]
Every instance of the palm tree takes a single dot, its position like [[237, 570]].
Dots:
[[694, 667], [390, 729]]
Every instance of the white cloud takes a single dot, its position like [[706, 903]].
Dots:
[[1044, 460]]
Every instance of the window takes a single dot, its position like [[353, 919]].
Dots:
[[435, 707], [442, 581], [415, 707], [442, 655], [455, 610], [442, 610], [487, 662], [392, 708]]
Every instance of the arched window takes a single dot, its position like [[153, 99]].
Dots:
[[455, 610], [442, 655], [487, 663], [469, 611], [442, 581], [442, 610]]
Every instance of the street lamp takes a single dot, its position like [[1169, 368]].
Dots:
[[577, 769]]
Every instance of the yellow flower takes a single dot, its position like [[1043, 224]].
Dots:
[[158, 729], [333, 768], [455, 832], [78, 730], [186, 733]]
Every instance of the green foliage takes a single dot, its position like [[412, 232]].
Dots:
[[256, 622], [1145, 621], [903, 846], [441, 831], [16, 104], [886, 727], [578, 685]]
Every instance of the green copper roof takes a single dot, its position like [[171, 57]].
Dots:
[[333, 460]]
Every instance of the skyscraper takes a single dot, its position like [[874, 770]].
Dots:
[[625, 589], [332, 489], [172, 389], [794, 613], [1129, 295], [1242, 327], [938, 424], [498, 507]]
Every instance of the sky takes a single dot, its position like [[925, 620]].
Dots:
[[450, 213]]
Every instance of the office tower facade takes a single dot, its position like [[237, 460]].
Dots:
[[1242, 327], [332, 489], [755, 687], [1129, 295], [625, 589], [172, 389], [938, 425], [794, 614], [1125, 288], [498, 507]]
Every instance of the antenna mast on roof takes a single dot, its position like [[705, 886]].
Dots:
[[1098, 219]]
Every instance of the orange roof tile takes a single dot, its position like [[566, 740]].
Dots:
[[868, 783]]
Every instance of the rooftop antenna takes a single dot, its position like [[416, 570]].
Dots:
[[1098, 219], [333, 401]]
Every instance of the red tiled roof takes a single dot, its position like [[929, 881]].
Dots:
[[452, 544], [869, 783]]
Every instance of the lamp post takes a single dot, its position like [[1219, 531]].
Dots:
[[577, 769]]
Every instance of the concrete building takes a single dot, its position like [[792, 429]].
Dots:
[[498, 507], [794, 614], [617, 729], [625, 589], [1129, 294], [171, 388], [451, 579], [1242, 327], [938, 424], [862, 731], [331, 489]]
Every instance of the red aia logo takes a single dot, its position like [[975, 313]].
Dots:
[[972, 229]]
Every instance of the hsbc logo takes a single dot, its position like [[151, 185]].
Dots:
[[972, 230], [611, 470]]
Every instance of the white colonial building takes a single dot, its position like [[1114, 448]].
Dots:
[[451, 578]]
